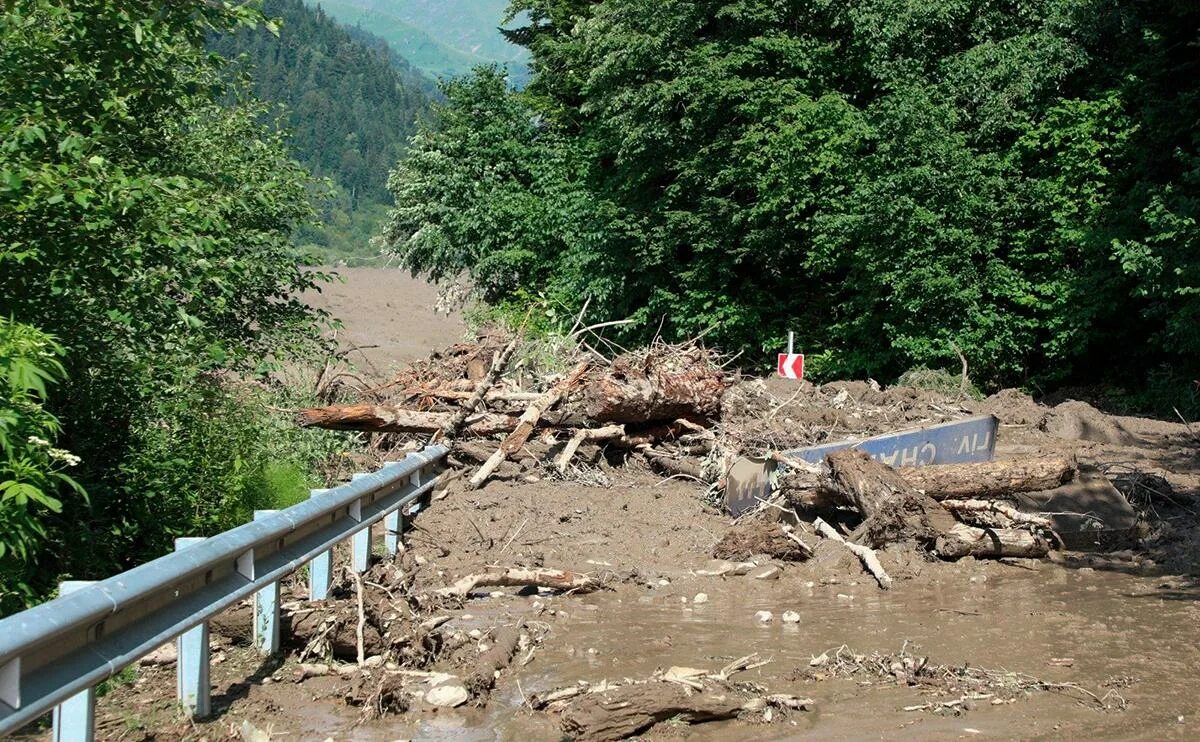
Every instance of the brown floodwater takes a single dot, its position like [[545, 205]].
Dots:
[[1113, 625]]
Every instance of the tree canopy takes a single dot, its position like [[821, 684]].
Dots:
[[147, 207], [887, 179]]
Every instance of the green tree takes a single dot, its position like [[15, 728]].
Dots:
[[146, 213], [888, 179]]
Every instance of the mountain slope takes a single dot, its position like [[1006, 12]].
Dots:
[[350, 103], [351, 107], [444, 38]]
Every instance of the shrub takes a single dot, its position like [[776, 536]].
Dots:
[[31, 468]]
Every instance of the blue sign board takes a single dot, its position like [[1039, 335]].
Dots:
[[960, 442]]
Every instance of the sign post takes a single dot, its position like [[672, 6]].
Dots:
[[791, 364]]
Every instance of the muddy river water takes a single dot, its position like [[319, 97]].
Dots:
[[1140, 631]]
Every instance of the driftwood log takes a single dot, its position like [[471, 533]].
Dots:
[[623, 712], [483, 676], [868, 558], [892, 509], [391, 419], [555, 579], [606, 433], [805, 487], [963, 540]]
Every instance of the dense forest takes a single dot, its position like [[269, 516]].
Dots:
[[893, 181], [348, 103]]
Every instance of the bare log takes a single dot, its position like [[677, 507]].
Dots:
[[525, 426], [992, 506], [479, 683], [391, 419], [452, 426], [868, 558], [672, 465], [805, 486], [586, 434], [964, 540], [990, 479], [623, 712], [555, 579], [892, 509]]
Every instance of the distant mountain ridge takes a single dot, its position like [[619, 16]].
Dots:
[[444, 38]]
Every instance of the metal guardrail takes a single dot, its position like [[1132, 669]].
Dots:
[[53, 655]]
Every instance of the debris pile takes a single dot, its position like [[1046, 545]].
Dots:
[[960, 687], [509, 414], [659, 403], [618, 710]]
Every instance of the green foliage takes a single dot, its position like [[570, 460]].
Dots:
[[147, 206], [123, 679], [208, 455], [31, 469], [887, 179], [349, 105]]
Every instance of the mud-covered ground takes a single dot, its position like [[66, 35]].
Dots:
[[1063, 632], [1120, 626]]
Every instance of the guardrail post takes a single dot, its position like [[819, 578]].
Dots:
[[75, 718], [360, 542], [320, 569], [393, 523], [266, 609], [193, 689]]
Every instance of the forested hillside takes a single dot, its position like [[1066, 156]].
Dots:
[[890, 180], [350, 104], [445, 38]]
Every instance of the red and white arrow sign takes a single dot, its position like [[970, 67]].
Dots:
[[791, 365]]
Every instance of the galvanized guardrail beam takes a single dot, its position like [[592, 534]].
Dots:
[[62, 649]]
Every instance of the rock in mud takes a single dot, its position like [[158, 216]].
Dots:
[[725, 568], [447, 696]]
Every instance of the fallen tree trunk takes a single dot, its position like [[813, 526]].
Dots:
[[526, 424], [964, 540], [391, 419], [988, 480], [479, 683], [970, 507], [623, 712], [892, 509], [660, 386], [555, 579]]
